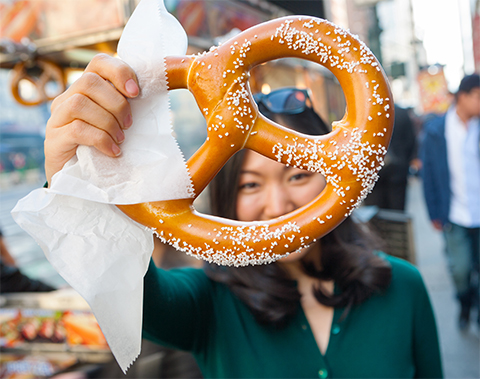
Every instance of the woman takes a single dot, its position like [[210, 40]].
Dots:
[[334, 309]]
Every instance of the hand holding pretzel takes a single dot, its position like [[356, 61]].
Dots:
[[93, 111], [349, 157]]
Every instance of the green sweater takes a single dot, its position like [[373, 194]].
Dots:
[[391, 335]]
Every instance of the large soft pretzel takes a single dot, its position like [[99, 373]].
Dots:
[[349, 157], [49, 72]]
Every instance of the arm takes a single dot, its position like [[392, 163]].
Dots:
[[405, 136], [12, 280], [5, 255], [93, 111], [177, 307], [426, 347], [429, 176]]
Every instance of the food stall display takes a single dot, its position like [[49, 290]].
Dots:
[[45, 333], [21, 327]]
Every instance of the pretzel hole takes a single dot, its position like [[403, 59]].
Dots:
[[34, 71], [189, 130], [27, 90], [53, 88], [325, 94], [189, 125]]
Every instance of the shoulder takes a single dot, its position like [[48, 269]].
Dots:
[[435, 125], [193, 281], [176, 277], [186, 273], [405, 276], [406, 293]]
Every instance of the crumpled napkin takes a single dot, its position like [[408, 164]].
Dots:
[[97, 249]]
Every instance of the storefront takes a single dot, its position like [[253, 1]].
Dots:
[[47, 34]]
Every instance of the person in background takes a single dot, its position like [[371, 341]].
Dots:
[[450, 154], [12, 279], [5, 255], [390, 190]]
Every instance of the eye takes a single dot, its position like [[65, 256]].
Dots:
[[248, 186], [299, 176]]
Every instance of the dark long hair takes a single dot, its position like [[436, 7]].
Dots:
[[346, 256]]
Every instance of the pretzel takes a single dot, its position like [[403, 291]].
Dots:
[[49, 72], [349, 157]]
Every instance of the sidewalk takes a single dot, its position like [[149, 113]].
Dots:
[[460, 351]]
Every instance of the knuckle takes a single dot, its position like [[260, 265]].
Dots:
[[46, 143], [99, 59], [110, 123], [91, 79], [125, 71], [86, 134], [122, 73], [49, 127], [100, 139], [77, 103], [77, 129], [56, 102], [121, 106]]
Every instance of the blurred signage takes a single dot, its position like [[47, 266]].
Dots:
[[476, 38], [41, 19], [434, 94], [210, 19]]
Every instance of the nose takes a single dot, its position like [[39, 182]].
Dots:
[[277, 202]]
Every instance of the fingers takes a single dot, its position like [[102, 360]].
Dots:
[[106, 81], [81, 133], [437, 224], [94, 111], [96, 102], [61, 144], [116, 72]]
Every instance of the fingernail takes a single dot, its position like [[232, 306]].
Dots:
[[120, 137], [116, 150], [128, 121], [131, 87]]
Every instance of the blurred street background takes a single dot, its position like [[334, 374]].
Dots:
[[425, 47]]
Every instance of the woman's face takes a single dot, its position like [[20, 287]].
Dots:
[[269, 189]]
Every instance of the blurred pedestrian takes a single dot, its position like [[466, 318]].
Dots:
[[390, 190], [450, 155], [12, 279], [5, 255]]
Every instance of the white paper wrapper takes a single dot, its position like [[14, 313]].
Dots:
[[98, 250]]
